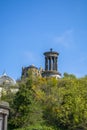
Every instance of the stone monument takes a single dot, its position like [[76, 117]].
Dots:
[[51, 64], [4, 112]]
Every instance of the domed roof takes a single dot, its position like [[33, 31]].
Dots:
[[6, 80], [33, 66]]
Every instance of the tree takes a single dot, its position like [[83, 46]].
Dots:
[[45, 103], [67, 104], [25, 107], [69, 76]]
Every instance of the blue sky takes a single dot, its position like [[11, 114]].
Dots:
[[28, 28]]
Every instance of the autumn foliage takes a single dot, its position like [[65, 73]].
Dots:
[[49, 104]]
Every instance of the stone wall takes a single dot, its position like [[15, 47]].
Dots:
[[4, 112]]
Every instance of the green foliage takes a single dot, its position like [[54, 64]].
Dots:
[[66, 103], [49, 104], [27, 110], [69, 76], [37, 127]]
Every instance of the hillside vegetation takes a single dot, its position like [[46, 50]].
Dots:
[[48, 104]]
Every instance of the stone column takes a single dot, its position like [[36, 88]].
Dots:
[[4, 112], [51, 66], [50, 63], [53, 63], [5, 122], [46, 63], [1, 122], [56, 63]]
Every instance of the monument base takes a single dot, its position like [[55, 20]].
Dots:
[[51, 74]]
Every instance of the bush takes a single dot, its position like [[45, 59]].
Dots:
[[37, 127]]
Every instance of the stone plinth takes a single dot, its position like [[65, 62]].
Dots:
[[51, 74], [4, 112]]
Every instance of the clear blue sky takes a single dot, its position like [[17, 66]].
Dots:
[[30, 27]]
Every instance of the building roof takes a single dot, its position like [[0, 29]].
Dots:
[[30, 67], [6, 80], [51, 52]]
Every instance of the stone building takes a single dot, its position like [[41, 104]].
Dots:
[[7, 83], [30, 70], [6, 80], [51, 64], [4, 112], [51, 67]]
